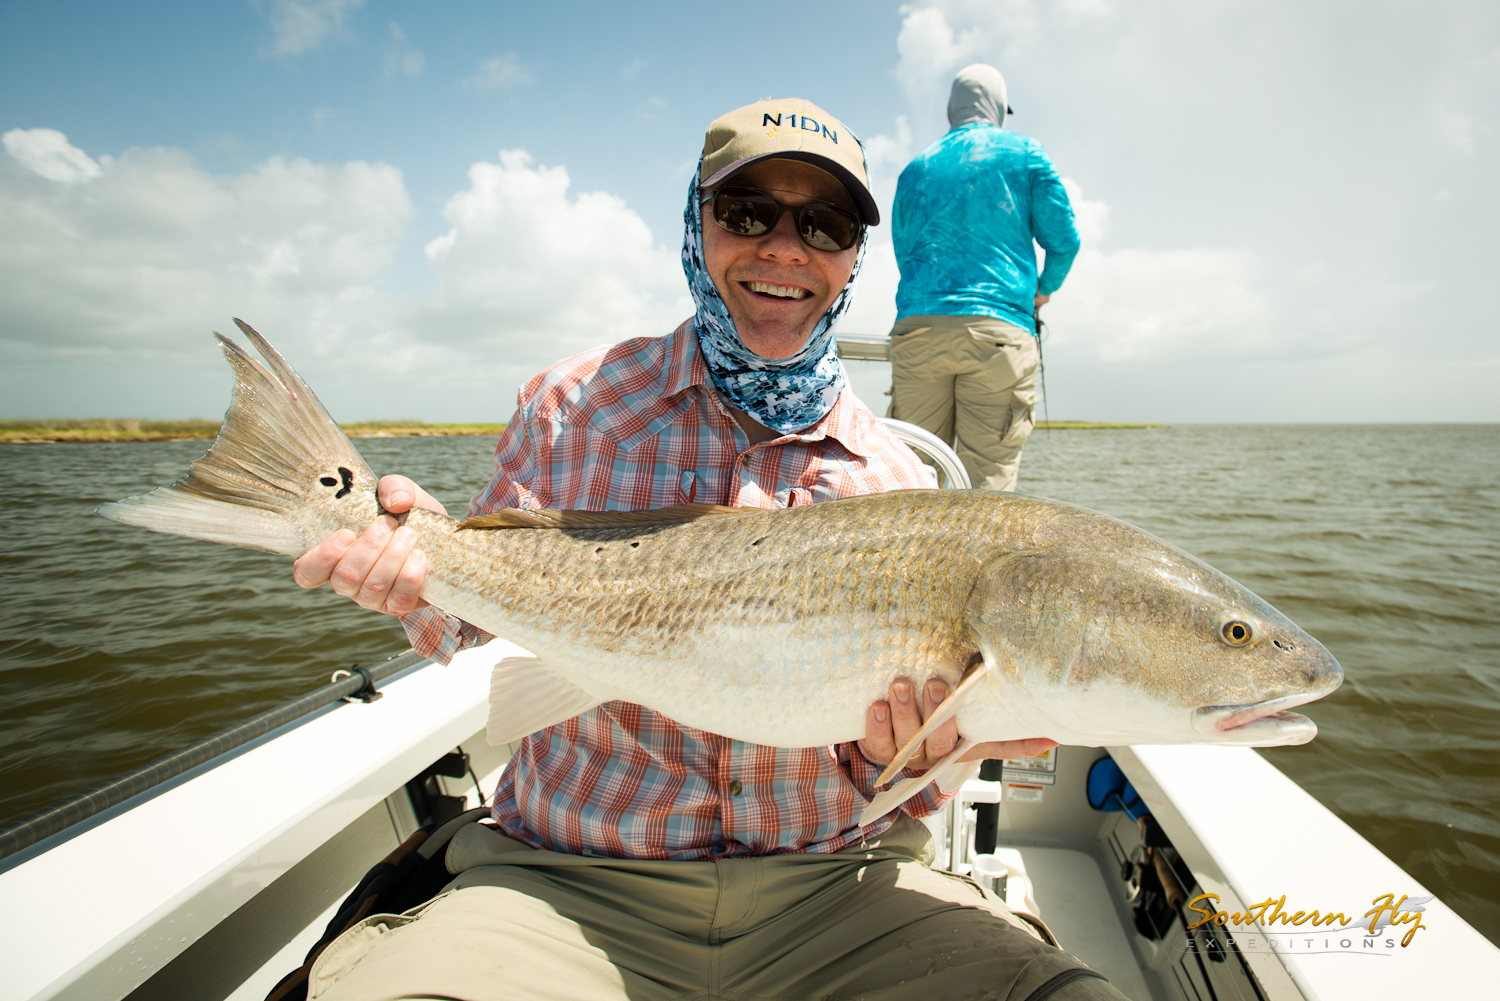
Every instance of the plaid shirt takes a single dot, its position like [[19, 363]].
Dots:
[[635, 426]]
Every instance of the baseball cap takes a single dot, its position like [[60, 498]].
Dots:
[[790, 129]]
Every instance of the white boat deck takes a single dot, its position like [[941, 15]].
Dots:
[[109, 906], [214, 886], [1080, 909], [1251, 834]]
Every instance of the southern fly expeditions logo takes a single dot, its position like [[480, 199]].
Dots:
[[1270, 926], [787, 123]]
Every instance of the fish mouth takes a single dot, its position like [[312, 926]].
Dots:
[[1259, 724]]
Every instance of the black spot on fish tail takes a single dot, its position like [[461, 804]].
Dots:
[[328, 481], [348, 478], [635, 545], [599, 550]]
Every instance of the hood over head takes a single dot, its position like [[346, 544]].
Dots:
[[978, 96]]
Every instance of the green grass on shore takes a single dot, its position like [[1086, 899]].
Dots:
[[1088, 426], [124, 429], [418, 429]]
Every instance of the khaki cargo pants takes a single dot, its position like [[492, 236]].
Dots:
[[970, 380], [872, 923]]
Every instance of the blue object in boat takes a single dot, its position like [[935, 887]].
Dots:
[[1109, 790]]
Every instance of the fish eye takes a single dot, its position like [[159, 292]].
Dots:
[[1234, 630]]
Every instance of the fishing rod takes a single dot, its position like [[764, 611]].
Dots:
[[1036, 320], [356, 684]]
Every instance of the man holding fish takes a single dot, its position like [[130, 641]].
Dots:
[[637, 857]]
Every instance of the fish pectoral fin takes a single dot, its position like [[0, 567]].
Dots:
[[944, 712], [678, 514], [526, 696], [949, 774]]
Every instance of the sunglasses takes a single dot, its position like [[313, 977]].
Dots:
[[750, 212]]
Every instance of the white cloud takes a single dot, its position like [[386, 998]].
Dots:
[[886, 155], [540, 273], [931, 47], [929, 51], [1140, 304], [300, 26], [400, 59], [874, 307], [1089, 216], [633, 68], [1457, 128], [48, 153], [154, 250], [411, 64], [1088, 10], [651, 109], [1143, 305], [1134, 304], [500, 73], [1137, 303], [1292, 228], [128, 273]]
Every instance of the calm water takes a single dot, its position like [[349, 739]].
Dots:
[[117, 645]]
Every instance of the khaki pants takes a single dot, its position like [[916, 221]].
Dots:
[[970, 380], [871, 923]]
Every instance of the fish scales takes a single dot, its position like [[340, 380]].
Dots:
[[635, 613]]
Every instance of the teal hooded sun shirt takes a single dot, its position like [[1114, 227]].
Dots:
[[968, 208]]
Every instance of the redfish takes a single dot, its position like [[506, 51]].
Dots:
[[781, 627]]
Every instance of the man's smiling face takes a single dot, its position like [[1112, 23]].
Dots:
[[776, 286]]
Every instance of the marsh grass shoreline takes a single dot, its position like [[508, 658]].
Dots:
[[117, 429], [114, 429], [1091, 426]]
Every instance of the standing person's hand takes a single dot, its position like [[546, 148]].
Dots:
[[893, 722], [382, 569], [1041, 300]]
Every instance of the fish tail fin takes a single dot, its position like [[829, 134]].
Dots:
[[949, 774], [270, 479]]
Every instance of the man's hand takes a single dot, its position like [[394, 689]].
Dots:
[[381, 569], [890, 724], [1041, 300]]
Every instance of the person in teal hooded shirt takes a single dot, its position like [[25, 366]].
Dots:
[[970, 211]]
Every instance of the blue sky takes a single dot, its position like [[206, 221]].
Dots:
[[1287, 210], [618, 94]]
